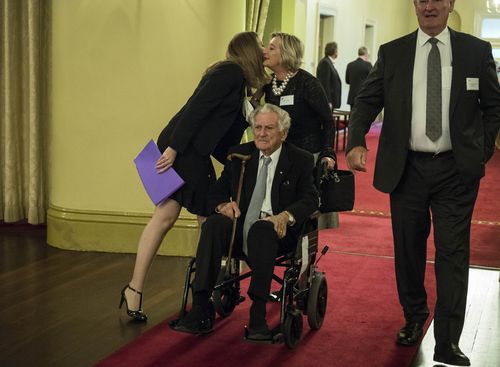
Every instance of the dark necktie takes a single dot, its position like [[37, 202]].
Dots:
[[433, 111], [255, 206]]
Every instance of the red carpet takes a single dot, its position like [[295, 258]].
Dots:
[[363, 313], [371, 201], [362, 319], [351, 237], [371, 214]]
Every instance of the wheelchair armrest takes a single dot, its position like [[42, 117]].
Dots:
[[315, 215]]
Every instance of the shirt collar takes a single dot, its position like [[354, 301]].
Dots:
[[443, 37], [274, 156]]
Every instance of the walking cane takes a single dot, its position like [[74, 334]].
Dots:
[[244, 159]]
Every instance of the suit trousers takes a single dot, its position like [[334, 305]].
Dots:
[[263, 247], [432, 184], [213, 244]]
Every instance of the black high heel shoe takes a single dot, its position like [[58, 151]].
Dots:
[[138, 315]]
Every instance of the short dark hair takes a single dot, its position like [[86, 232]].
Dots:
[[331, 48], [362, 51]]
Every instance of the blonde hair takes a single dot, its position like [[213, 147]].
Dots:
[[245, 49], [291, 50]]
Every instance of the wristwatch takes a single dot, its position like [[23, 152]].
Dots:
[[291, 219]]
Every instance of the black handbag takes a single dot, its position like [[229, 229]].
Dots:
[[336, 189]]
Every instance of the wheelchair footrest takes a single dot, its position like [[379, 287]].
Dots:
[[274, 337]]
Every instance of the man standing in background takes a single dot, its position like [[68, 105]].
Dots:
[[356, 73], [328, 75], [441, 97]]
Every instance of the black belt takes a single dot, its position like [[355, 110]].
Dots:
[[429, 154]]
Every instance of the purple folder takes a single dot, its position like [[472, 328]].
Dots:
[[159, 186]]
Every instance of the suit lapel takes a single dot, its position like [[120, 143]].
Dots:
[[250, 178], [457, 62], [281, 172], [406, 55]]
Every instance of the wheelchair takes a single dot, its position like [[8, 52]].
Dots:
[[304, 289]]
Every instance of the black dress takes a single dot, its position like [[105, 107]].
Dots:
[[312, 121], [209, 123]]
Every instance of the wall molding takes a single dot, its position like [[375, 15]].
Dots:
[[113, 231]]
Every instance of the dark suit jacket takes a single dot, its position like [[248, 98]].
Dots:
[[330, 80], [474, 114], [293, 187], [355, 74], [211, 120]]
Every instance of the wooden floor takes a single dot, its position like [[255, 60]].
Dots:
[[59, 308], [480, 339]]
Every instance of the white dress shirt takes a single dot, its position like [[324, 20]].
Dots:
[[271, 169], [418, 140]]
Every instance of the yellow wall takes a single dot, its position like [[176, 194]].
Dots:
[[121, 69]]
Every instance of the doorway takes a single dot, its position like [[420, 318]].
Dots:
[[326, 33]]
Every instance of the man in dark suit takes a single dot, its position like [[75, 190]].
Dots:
[[438, 133], [328, 75], [288, 199], [356, 73]]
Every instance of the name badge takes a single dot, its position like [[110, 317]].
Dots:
[[286, 101], [472, 83]]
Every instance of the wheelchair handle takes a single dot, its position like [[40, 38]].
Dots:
[[241, 157], [323, 252]]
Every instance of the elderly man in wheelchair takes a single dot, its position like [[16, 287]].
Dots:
[[258, 216]]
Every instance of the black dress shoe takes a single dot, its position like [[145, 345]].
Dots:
[[258, 335], [452, 355], [199, 322], [410, 334]]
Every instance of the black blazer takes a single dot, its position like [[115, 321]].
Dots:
[[474, 114], [293, 185], [330, 80], [355, 74], [212, 119]]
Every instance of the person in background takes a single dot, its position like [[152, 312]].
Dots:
[[209, 123], [441, 97], [329, 77], [356, 73], [268, 223]]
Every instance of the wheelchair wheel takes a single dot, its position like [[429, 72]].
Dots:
[[292, 328], [225, 298], [316, 301]]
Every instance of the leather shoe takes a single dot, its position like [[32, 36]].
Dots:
[[199, 322], [262, 334], [452, 355], [410, 334]]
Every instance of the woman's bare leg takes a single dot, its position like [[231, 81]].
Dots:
[[162, 221]]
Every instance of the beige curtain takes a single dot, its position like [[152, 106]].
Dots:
[[24, 36], [257, 15]]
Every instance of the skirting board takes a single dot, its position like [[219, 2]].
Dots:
[[92, 230]]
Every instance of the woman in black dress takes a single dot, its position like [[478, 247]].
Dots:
[[209, 123], [301, 95]]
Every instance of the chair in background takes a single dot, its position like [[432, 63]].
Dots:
[[341, 119]]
